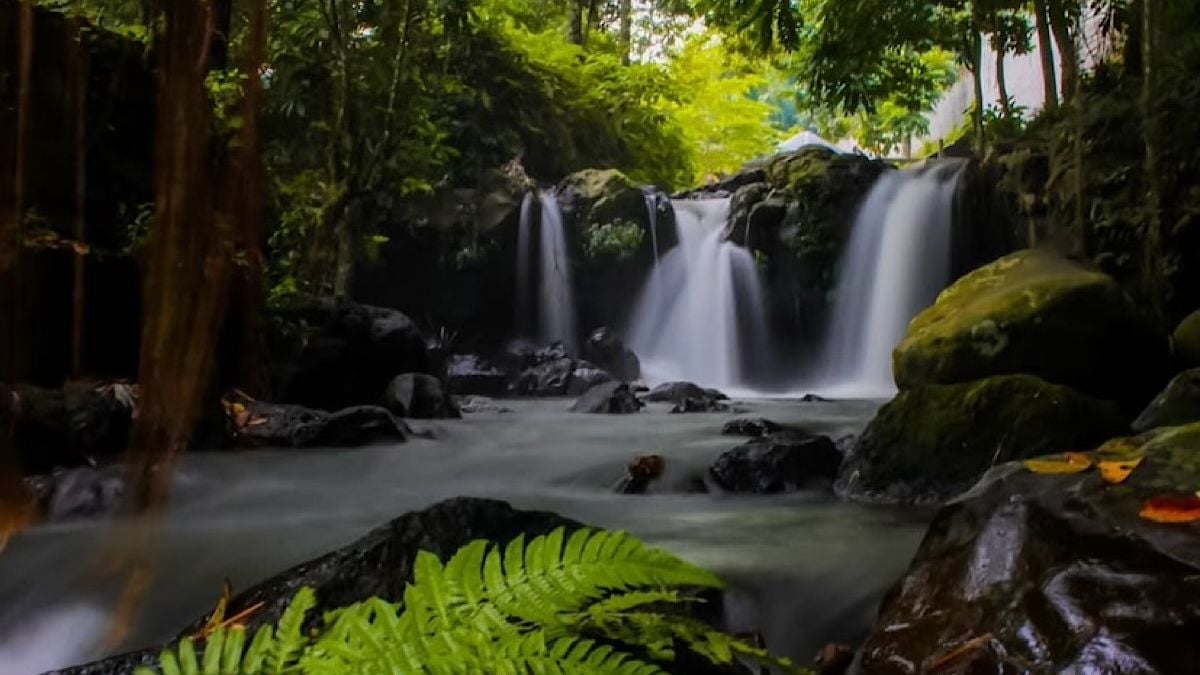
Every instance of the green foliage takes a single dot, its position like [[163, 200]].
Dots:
[[555, 605], [616, 240]]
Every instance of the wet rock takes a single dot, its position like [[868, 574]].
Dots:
[[751, 426], [353, 356], [834, 659], [700, 404], [1178, 404], [549, 378], [419, 396], [640, 473], [584, 377], [813, 398], [74, 426], [931, 442], [79, 492], [606, 350], [608, 397], [472, 374], [1186, 339], [480, 404], [1033, 312], [673, 392], [782, 462], [1059, 571], [264, 424]]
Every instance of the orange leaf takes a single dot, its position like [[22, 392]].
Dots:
[[969, 647], [1071, 462], [1117, 470], [1172, 509]]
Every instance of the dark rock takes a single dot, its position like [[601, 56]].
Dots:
[[673, 392], [353, 356], [1059, 571], [584, 377], [70, 427], [549, 378], [606, 350], [1178, 404], [813, 398], [782, 462], [834, 659], [360, 425], [608, 397], [1034, 312], [1186, 339], [264, 424], [472, 374], [79, 492], [700, 404], [640, 473], [419, 396], [934, 441], [751, 426], [480, 404]]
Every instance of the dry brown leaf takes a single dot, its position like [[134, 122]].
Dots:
[[217, 618], [965, 649]]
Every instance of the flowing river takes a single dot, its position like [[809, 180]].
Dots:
[[804, 569]]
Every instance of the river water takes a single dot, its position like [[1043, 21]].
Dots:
[[804, 569]]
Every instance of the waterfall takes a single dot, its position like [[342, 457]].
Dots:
[[897, 261], [701, 317], [555, 303], [652, 219]]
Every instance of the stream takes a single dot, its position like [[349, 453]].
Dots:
[[804, 569]]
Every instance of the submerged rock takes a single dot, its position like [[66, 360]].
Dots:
[[1033, 312], [674, 392], [79, 492], [419, 396], [700, 404], [782, 462], [480, 404], [356, 352], [932, 442], [751, 426], [606, 350], [264, 424], [608, 397], [73, 426], [1186, 339], [472, 374], [1178, 404], [1056, 574], [640, 473]]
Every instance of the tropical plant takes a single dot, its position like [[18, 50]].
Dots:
[[593, 601]]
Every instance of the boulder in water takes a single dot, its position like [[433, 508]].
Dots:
[[479, 404], [606, 350], [585, 376], [73, 426], [1186, 339], [356, 352], [782, 462], [419, 396], [472, 374], [549, 378], [700, 404], [1178, 404], [1053, 574], [263, 424], [614, 398], [932, 442], [79, 492], [1034, 312], [674, 392], [751, 426], [640, 473]]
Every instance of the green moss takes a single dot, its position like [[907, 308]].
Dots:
[[1187, 339]]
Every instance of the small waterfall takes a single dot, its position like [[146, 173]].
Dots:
[[652, 219], [701, 315], [897, 261], [555, 303]]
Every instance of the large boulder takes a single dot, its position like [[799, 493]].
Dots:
[[932, 442], [551, 378], [1032, 573], [472, 374], [1178, 404], [254, 424], [1035, 312], [354, 354], [781, 462], [419, 396], [675, 392], [614, 398], [77, 425], [1187, 340], [606, 350], [78, 492]]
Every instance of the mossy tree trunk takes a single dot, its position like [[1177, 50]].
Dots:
[[626, 31], [976, 67], [1152, 263], [1046, 51], [78, 65]]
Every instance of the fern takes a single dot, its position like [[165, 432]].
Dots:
[[553, 605]]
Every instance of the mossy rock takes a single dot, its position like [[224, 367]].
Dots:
[[1058, 572], [1178, 404], [1035, 312], [932, 442], [1187, 340]]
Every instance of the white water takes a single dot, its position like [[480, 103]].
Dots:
[[555, 308], [897, 261], [701, 315]]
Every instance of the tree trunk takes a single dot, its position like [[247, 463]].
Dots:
[[344, 278], [78, 78], [977, 80], [190, 255], [1077, 101], [1001, 84], [593, 19], [1152, 267], [1060, 25], [1046, 51], [576, 21], [626, 31]]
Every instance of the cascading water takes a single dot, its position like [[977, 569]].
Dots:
[[897, 261], [555, 302], [701, 315]]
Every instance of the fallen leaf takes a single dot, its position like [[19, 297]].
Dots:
[[1071, 462], [1117, 470], [217, 618], [257, 421], [969, 647], [1172, 509], [235, 621]]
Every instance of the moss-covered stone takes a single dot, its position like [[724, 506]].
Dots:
[[932, 442], [1187, 340], [1178, 404], [1035, 312]]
